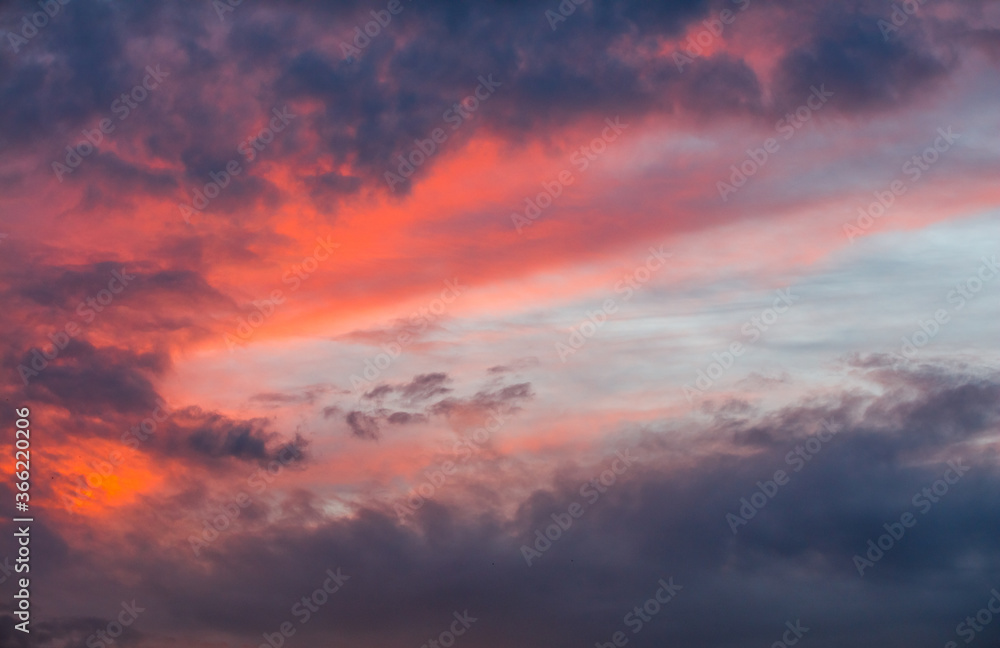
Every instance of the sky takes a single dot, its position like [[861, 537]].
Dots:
[[502, 323]]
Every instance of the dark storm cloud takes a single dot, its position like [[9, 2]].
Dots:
[[36, 96], [721, 85], [401, 85], [109, 389], [65, 633], [116, 385], [48, 347], [117, 176], [68, 288], [64, 288], [48, 296], [664, 516], [217, 436], [85, 379], [331, 186], [850, 54]]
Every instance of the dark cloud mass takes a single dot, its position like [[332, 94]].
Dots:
[[548, 78], [665, 517]]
